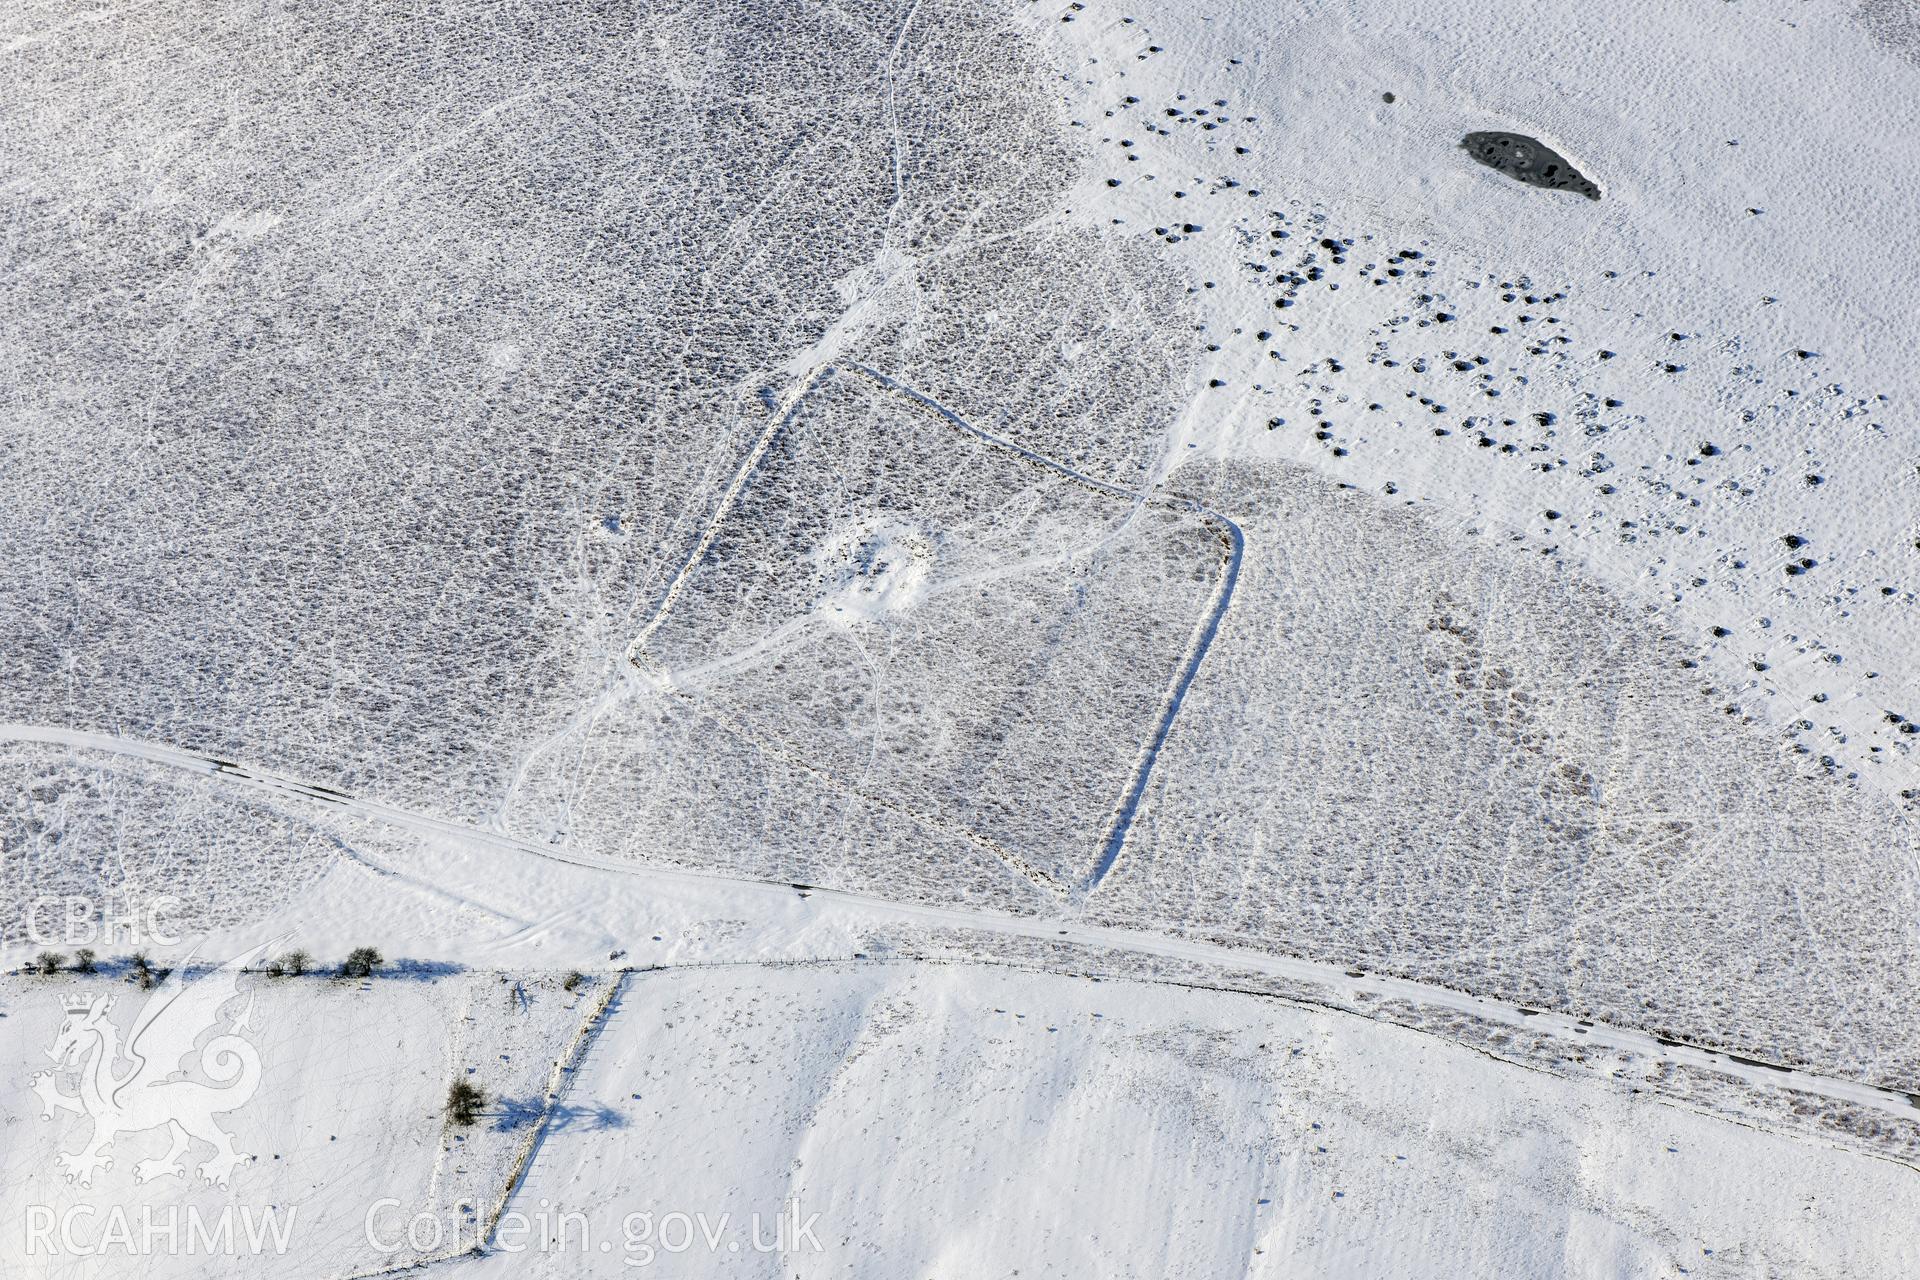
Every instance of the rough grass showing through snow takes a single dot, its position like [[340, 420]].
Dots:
[[1419, 751]]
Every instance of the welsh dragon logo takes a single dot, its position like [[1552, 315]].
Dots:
[[153, 1089]]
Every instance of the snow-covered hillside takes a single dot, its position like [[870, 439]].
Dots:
[[1698, 389], [967, 1121], [972, 639]]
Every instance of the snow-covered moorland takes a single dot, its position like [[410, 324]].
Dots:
[[862, 638]]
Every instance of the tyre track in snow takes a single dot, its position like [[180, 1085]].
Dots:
[[1348, 983]]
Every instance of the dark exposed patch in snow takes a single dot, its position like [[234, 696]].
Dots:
[[1530, 161]]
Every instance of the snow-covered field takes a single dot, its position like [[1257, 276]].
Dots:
[[351, 1082], [1022, 638], [967, 1121]]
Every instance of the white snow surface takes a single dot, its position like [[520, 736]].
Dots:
[[783, 566], [1758, 173], [966, 1121]]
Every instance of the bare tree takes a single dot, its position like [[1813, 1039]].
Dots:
[[464, 1100]]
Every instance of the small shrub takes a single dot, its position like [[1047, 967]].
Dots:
[[142, 969], [294, 963], [83, 961], [574, 980], [361, 962], [464, 1100], [48, 963]]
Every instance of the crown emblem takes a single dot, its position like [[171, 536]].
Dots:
[[77, 1004]]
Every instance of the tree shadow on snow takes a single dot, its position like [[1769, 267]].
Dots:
[[518, 1113]]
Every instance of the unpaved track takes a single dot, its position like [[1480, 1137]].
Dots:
[[1348, 985]]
